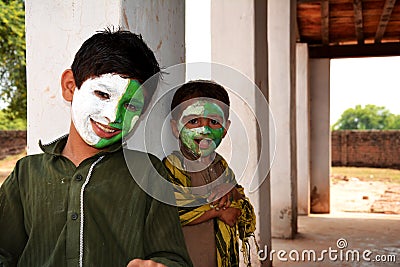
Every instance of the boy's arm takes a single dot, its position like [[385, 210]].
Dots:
[[13, 237], [227, 215]]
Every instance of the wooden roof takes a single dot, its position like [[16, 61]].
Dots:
[[349, 28]]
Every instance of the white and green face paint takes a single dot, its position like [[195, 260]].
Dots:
[[201, 127], [106, 108]]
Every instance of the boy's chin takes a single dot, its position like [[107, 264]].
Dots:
[[189, 154], [104, 143], [207, 154]]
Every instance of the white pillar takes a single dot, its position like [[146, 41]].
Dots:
[[55, 29], [303, 126], [320, 135], [282, 97], [238, 39]]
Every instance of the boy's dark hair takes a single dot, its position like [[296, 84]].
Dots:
[[200, 88], [116, 51]]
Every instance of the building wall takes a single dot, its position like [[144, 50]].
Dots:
[[373, 148], [12, 143], [55, 29]]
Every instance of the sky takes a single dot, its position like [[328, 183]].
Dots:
[[364, 81]]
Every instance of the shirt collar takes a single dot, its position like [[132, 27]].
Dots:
[[56, 147]]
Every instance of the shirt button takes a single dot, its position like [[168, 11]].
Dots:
[[78, 177], [74, 216]]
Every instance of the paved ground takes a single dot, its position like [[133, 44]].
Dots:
[[362, 216], [354, 195], [378, 233]]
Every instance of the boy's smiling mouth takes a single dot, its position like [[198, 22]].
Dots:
[[104, 131]]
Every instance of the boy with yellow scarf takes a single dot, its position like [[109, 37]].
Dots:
[[213, 209]]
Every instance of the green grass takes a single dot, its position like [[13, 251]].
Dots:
[[366, 174]]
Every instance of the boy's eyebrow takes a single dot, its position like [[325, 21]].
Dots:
[[202, 116], [105, 86]]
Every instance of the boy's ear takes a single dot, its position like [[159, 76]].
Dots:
[[174, 128], [68, 85], [228, 123]]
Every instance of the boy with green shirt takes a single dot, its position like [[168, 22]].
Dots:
[[77, 203]]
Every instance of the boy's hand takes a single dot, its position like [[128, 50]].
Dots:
[[144, 263], [229, 216], [224, 200]]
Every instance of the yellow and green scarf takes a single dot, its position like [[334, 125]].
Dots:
[[226, 237]]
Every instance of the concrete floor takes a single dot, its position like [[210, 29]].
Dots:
[[379, 233]]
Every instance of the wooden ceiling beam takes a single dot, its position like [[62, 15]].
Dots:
[[308, 1], [325, 22], [358, 21], [385, 17], [350, 51]]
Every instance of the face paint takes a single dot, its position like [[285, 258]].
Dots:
[[105, 108], [201, 127]]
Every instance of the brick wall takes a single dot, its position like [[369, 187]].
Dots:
[[12, 142], [371, 148]]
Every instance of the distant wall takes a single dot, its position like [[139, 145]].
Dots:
[[12, 142], [372, 148]]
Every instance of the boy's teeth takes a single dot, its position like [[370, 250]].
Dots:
[[106, 129]]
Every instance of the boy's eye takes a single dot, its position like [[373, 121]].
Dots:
[[194, 121], [214, 122], [131, 107], [102, 95]]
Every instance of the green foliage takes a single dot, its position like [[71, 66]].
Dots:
[[367, 118], [11, 124], [12, 57]]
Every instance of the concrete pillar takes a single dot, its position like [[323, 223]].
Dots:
[[55, 29], [320, 139], [282, 99], [239, 40], [303, 126]]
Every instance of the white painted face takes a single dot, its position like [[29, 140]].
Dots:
[[95, 106]]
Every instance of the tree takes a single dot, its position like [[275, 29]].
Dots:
[[367, 118], [12, 57], [11, 124]]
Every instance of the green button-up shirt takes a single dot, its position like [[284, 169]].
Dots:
[[53, 213]]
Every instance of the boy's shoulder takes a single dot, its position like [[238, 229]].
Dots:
[[30, 159]]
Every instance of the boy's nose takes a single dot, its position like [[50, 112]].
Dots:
[[110, 112]]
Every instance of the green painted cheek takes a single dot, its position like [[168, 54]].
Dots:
[[126, 118], [187, 138], [216, 136]]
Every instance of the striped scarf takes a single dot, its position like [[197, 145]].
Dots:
[[226, 237]]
